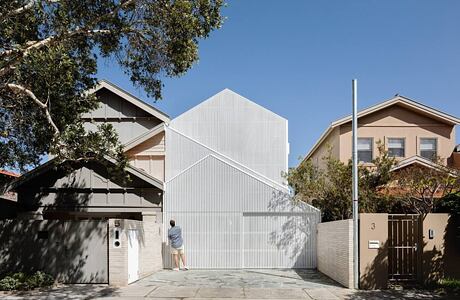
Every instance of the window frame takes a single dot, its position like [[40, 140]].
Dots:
[[372, 150], [404, 146], [420, 146]]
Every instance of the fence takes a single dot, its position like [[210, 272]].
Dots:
[[72, 251]]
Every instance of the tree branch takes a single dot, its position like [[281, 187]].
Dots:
[[43, 106], [37, 45], [20, 10]]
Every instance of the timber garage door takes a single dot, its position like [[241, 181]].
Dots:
[[246, 240]]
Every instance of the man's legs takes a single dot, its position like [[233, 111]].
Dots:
[[182, 256], [176, 260]]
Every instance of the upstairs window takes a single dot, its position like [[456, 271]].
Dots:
[[428, 148], [365, 150], [396, 147]]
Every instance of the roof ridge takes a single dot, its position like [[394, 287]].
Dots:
[[227, 90]]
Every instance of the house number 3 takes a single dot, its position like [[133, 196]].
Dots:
[[372, 226]]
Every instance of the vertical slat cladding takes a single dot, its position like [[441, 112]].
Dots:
[[208, 202], [269, 240], [210, 189], [241, 129]]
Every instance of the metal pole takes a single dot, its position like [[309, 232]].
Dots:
[[354, 124]]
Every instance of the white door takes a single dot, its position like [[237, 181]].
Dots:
[[133, 256]]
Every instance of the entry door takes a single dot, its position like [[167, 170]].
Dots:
[[404, 247], [133, 256]]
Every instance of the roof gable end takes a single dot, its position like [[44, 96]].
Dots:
[[233, 96], [104, 84], [403, 101]]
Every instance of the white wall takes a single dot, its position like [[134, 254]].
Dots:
[[228, 217], [240, 129]]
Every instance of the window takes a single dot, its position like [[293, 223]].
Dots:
[[396, 147], [428, 148], [365, 149]]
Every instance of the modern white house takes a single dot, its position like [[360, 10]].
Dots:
[[225, 160], [216, 169]]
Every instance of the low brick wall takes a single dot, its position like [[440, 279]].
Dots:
[[335, 251]]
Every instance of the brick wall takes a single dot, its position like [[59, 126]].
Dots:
[[150, 258], [335, 251], [150, 243], [118, 257]]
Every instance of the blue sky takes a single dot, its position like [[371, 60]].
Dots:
[[297, 58]]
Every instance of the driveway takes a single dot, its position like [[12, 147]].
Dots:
[[224, 284]]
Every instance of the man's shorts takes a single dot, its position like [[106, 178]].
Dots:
[[179, 250]]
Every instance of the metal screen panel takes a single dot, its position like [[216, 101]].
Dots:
[[280, 240], [211, 240]]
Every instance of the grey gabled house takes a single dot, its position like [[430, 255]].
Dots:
[[217, 169]]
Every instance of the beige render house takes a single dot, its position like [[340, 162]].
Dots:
[[410, 131], [392, 247]]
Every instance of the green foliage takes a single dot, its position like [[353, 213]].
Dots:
[[48, 60], [450, 283], [422, 189], [22, 281], [329, 187], [8, 283], [450, 204]]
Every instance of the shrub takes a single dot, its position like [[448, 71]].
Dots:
[[39, 279], [450, 283], [8, 283], [21, 281]]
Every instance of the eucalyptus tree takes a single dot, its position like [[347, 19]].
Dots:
[[48, 60]]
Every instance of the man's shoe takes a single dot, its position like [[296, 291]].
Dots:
[[176, 269], [185, 268]]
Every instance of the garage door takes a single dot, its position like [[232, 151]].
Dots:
[[277, 240], [237, 240]]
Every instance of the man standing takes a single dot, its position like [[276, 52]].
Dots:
[[177, 244]]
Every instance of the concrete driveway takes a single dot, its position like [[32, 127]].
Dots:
[[224, 284], [237, 284]]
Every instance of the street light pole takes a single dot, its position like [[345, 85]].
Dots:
[[354, 124]]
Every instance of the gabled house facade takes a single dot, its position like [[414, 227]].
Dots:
[[88, 226], [89, 192], [225, 160], [409, 131]]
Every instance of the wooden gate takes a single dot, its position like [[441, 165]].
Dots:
[[404, 247]]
